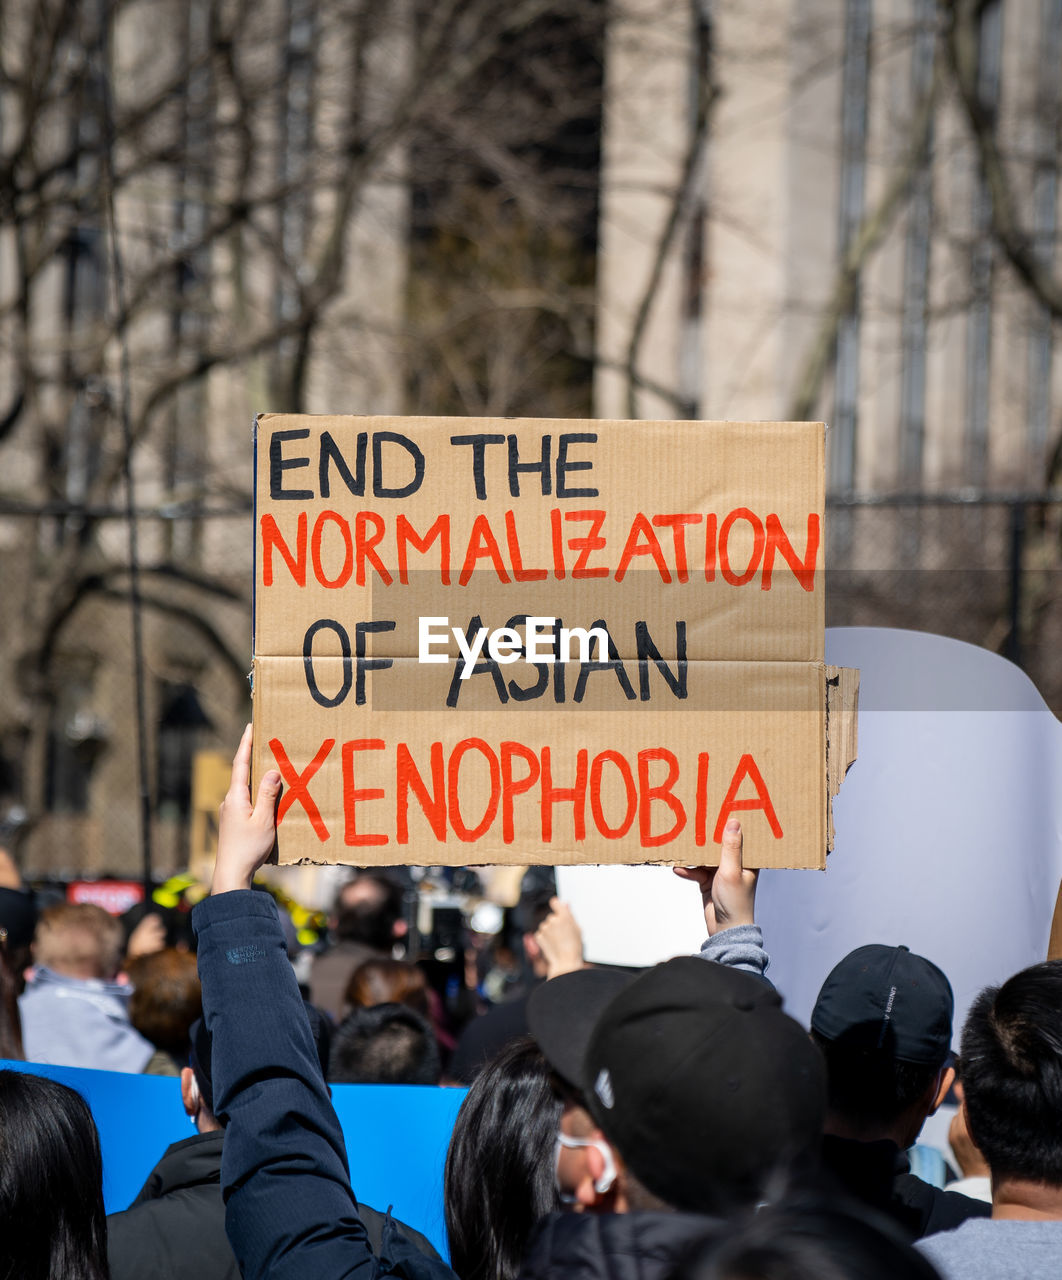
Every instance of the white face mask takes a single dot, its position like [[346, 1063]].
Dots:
[[608, 1176]]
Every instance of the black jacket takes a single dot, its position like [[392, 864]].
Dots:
[[290, 1211], [878, 1174], [175, 1228], [176, 1225], [612, 1246]]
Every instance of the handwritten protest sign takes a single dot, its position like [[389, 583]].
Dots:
[[503, 641]]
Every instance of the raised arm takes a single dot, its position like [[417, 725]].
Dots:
[[728, 896], [290, 1211]]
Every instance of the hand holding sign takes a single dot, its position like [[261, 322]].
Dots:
[[727, 891], [560, 940], [246, 834]]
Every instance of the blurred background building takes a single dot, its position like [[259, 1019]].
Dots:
[[656, 208]]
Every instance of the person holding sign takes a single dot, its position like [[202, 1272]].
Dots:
[[290, 1210]]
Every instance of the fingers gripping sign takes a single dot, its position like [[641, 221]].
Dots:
[[728, 892], [560, 940], [246, 832]]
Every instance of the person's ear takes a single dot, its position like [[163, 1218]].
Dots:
[[946, 1080], [190, 1092], [399, 929], [532, 950]]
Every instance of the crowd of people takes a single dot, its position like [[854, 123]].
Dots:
[[670, 1123]]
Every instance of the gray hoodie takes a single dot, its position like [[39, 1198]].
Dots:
[[80, 1022]]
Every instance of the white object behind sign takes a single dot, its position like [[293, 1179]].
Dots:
[[949, 834]]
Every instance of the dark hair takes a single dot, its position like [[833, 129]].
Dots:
[[871, 1091], [371, 922], [52, 1221], [387, 1044], [533, 909], [10, 1022], [387, 981], [1011, 1064], [500, 1175], [805, 1240], [167, 998], [177, 922]]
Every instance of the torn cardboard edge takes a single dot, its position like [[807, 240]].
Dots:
[[842, 734], [1054, 945]]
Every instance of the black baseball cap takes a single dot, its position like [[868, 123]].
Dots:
[[890, 1001], [703, 1085], [562, 1013]]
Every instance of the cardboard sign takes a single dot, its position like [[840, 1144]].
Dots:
[[510, 641]]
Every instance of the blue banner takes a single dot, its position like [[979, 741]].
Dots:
[[396, 1137]]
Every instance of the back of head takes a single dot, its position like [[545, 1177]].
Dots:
[[10, 1023], [533, 908], [52, 1222], [18, 923], [806, 1241], [166, 998], [387, 1044], [704, 1086], [500, 1174], [883, 1023], [1011, 1063], [367, 910], [18, 916], [388, 981], [176, 921], [78, 940]]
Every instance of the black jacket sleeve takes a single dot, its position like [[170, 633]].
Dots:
[[290, 1210]]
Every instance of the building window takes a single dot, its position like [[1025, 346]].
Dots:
[[181, 725], [77, 737]]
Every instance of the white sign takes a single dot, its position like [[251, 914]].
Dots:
[[948, 834]]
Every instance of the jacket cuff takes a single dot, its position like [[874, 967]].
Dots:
[[740, 947]]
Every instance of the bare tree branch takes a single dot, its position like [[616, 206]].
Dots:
[[873, 230], [963, 45], [680, 203]]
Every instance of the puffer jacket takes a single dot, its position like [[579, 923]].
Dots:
[[612, 1246], [175, 1228]]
